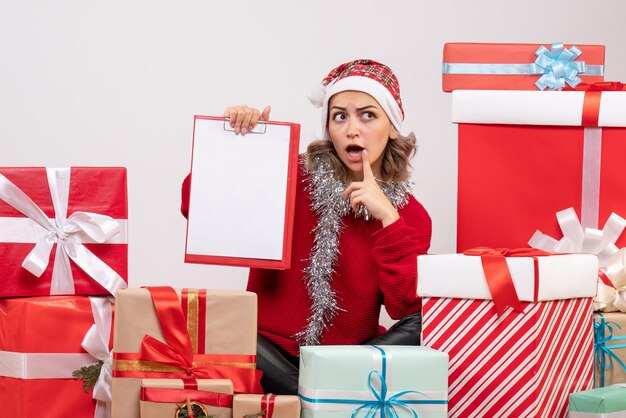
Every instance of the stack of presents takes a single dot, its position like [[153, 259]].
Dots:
[[528, 319]]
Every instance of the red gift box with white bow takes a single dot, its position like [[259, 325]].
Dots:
[[63, 231]]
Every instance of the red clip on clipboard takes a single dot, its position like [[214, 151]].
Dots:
[[242, 195]]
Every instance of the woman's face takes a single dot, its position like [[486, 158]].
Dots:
[[356, 122]]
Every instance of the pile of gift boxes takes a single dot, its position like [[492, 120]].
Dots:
[[539, 134], [509, 328]]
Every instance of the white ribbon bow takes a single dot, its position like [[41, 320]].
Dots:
[[610, 299], [96, 343], [66, 233], [575, 240], [612, 261], [613, 298]]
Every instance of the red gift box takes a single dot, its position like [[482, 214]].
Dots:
[[489, 66], [525, 156], [521, 362], [85, 222], [40, 347]]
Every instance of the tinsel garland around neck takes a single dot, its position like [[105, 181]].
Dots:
[[328, 204]]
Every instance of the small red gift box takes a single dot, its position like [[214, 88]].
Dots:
[[41, 345], [525, 156], [489, 66], [63, 231]]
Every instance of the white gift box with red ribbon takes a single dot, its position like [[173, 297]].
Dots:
[[535, 279]]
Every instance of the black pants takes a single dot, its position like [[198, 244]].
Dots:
[[280, 370]]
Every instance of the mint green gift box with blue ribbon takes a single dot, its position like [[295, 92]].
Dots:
[[367, 381], [606, 402]]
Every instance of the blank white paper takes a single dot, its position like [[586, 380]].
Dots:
[[238, 191]]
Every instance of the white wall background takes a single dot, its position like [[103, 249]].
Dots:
[[86, 82]]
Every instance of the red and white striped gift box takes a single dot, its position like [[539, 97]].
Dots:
[[518, 364]]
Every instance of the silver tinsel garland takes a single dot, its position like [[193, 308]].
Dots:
[[328, 204]]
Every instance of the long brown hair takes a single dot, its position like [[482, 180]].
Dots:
[[395, 165]]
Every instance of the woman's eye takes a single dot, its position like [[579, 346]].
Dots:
[[339, 117], [368, 115]]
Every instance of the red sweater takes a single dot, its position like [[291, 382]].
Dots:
[[375, 266]]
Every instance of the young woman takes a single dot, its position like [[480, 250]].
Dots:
[[357, 229]]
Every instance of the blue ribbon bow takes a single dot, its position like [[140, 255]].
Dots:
[[382, 404], [557, 66], [600, 330], [385, 406]]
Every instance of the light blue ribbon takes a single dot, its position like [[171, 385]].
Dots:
[[600, 330], [557, 66], [382, 404], [386, 407]]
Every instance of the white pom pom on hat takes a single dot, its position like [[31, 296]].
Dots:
[[316, 95]]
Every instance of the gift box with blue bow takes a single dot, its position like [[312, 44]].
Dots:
[[610, 348], [503, 66], [367, 381]]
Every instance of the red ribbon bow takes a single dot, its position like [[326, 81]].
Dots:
[[178, 351], [498, 276]]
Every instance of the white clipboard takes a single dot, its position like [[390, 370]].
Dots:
[[242, 194]]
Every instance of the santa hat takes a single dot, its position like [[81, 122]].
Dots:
[[364, 75]]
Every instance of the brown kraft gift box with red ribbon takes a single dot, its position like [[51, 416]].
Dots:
[[266, 406], [182, 334], [164, 398], [526, 156], [63, 230]]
